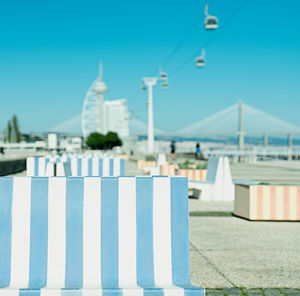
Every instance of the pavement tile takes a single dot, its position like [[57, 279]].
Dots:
[[248, 254], [288, 292], [272, 292], [214, 292], [232, 291]]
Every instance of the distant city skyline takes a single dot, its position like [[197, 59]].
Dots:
[[50, 52]]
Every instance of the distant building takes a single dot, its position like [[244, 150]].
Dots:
[[116, 117], [103, 116]]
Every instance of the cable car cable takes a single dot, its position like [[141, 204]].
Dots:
[[212, 38], [180, 44]]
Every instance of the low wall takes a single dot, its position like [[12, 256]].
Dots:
[[12, 166], [193, 174], [267, 202]]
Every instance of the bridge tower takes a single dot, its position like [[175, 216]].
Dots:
[[240, 131]]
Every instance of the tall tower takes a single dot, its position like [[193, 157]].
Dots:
[[100, 88], [241, 132], [150, 82]]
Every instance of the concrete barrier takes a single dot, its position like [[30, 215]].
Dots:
[[36, 166], [168, 170], [267, 202], [81, 165], [12, 166], [94, 236], [96, 166], [218, 185], [143, 163], [59, 169], [193, 174]]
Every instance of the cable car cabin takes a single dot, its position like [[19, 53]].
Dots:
[[200, 62], [211, 23], [143, 88], [163, 76], [164, 85]]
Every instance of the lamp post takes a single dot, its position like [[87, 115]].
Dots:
[[150, 82]]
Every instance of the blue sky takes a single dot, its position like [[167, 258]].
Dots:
[[50, 50]]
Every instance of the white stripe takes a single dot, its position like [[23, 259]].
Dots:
[[137, 291], [174, 291], [41, 166], [105, 168], [9, 292], [91, 292], [162, 232], [95, 166], [50, 292], [74, 166], [84, 167], [92, 233], [30, 166], [20, 244], [56, 232], [127, 231], [117, 166], [50, 169]]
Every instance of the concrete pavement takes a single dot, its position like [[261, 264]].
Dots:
[[232, 252]]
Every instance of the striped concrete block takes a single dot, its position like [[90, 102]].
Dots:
[[95, 166], [168, 169], [36, 166], [267, 202], [60, 169], [142, 163], [81, 165], [218, 185], [193, 174], [94, 236]]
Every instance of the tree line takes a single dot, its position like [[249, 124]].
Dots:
[[12, 133], [97, 141]]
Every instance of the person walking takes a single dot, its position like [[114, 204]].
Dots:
[[197, 151], [173, 150]]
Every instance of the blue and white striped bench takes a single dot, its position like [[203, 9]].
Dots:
[[92, 236], [80, 166], [36, 166], [96, 166]]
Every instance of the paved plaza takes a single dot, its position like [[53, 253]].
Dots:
[[231, 252], [273, 172]]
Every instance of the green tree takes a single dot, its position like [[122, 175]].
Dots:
[[96, 141], [9, 132], [113, 140], [16, 132], [99, 141]]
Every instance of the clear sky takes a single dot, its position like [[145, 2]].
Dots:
[[50, 50]]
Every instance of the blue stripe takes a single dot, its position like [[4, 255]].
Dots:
[[153, 292], [36, 166], [38, 233], [90, 164], [122, 167], [144, 229], [111, 167], [193, 291], [109, 232], [74, 233], [79, 166], [6, 193], [180, 231], [29, 292], [66, 292], [101, 167], [112, 292]]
